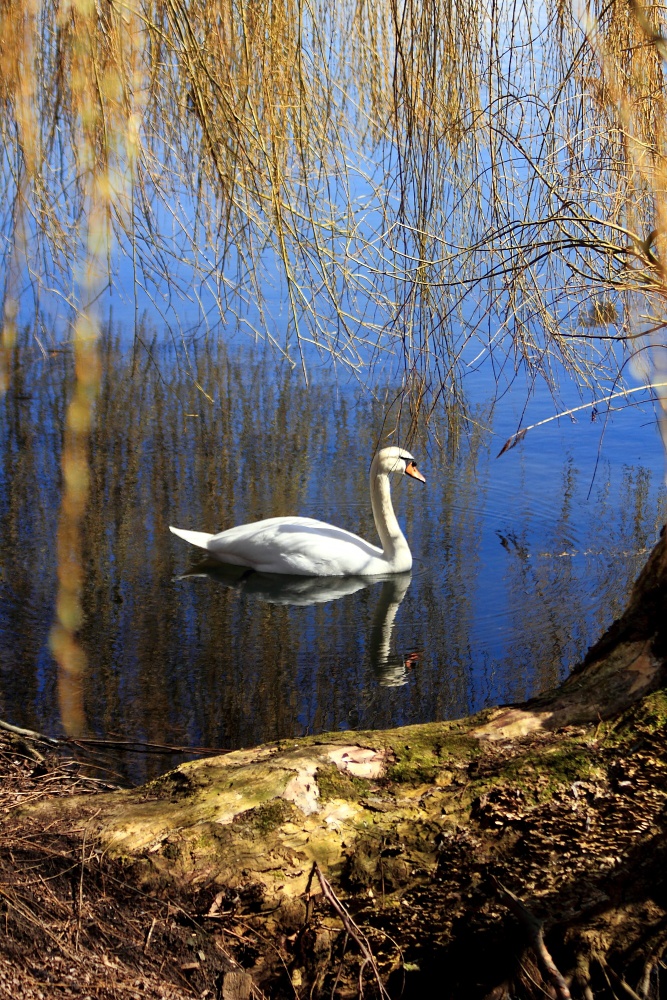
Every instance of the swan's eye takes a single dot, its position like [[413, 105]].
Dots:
[[412, 470]]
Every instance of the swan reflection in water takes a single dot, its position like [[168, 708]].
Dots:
[[391, 669]]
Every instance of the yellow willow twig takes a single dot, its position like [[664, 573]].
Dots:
[[65, 645], [108, 138]]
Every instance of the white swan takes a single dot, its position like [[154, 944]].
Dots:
[[303, 546]]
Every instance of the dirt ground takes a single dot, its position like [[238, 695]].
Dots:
[[587, 855], [76, 924]]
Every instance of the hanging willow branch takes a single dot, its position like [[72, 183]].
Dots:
[[411, 176]]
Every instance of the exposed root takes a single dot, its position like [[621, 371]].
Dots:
[[582, 977], [533, 928], [352, 930]]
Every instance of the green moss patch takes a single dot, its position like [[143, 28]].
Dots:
[[267, 817], [542, 771], [423, 751], [335, 784], [649, 715]]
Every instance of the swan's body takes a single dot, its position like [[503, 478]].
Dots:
[[302, 546]]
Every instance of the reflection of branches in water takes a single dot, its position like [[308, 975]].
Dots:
[[547, 572], [264, 447], [177, 665]]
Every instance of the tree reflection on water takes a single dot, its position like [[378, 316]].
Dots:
[[512, 580]]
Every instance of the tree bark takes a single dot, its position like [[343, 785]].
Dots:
[[518, 853]]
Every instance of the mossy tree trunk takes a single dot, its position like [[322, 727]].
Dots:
[[518, 853]]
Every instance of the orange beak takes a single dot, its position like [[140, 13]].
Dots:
[[412, 470]]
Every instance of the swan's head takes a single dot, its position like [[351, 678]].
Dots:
[[397, 460]]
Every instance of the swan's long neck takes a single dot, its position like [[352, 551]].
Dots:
[[395, 548]]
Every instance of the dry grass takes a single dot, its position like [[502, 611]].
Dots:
[[77, 924]]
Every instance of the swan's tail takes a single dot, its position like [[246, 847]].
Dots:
[[199, 538]]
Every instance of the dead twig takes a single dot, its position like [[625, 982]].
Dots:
[[514, 439], [139, 746], [86, 742], [80, 898], [627, 989], [29, 734], [353, 930], [339, 971], [149, 935], [536, 937]]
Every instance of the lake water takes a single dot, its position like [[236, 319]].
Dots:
[[520, 562]]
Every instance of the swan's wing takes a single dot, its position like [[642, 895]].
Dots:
[[301, 546]]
